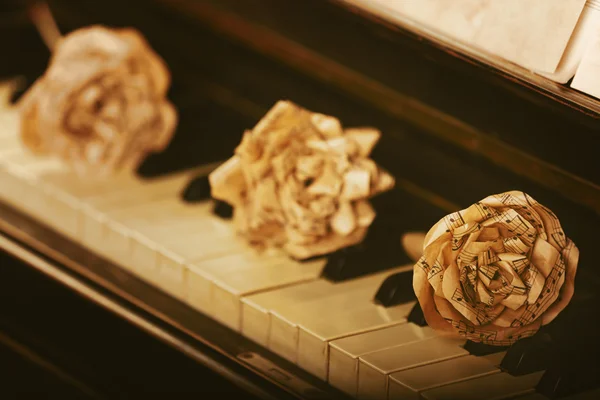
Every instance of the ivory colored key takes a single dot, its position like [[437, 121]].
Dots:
[[375, 368], [495, 358], [99, 204], [491, 387], [315, 334], [256, 309], [116, 191], [155, 240], [275, 319], [407, 384], [191, 231], [9, 122], [156, 245], [9, 144], [23, 188], [165, 230], [345, 352], [206, 249], [169, 270], [216, 284], [56, 192], [160, 265], [119, 191], [204, 275], [20, 184], [232, 277]]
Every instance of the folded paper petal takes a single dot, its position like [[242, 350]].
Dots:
[[101, 103], [298, 180], [496, 271]]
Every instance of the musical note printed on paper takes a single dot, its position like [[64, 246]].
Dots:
[[511, 270], [301, 181]]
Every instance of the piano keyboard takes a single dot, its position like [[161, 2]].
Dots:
[[333, 330]]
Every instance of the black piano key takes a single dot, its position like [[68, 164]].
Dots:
[[377, 253], [573, 367], [481, 349], [198, 189], [539, 352], [570, 374], [529, 355], [337, 263], [416, 316], [396, 289], [381, 249], [222, 209]]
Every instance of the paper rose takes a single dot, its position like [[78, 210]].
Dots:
[[301, 182], [101, 103], [496, 271]]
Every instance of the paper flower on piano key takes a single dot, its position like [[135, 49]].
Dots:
[[101, 103], [300, 181], [496, 271]]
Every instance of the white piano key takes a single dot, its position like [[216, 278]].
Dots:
[[198, 289], [84, 188], [257, 308], [127, 190], [190, 231], [23, 188], [31, 192], [133, 195], [15, 187], [203, 274], [409, 383], [171, 274], [158, 248], [345, 352], [315, 334], [495, 358], [375, 368], [207, 248], [492, 387], [243, 274], [306, 307], [9, 144]]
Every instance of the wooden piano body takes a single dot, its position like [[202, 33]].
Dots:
[[455, 130]]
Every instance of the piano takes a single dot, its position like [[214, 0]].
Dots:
[[138, 284]]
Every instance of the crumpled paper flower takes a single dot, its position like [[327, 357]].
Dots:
[[101, 103], [496, 271], [300, 181]]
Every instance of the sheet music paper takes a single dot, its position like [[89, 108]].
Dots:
[[587, 28], [497, 271], [587, 77], [531, 33]]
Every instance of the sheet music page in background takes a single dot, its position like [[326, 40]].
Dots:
[[587, 77], [529, 33]]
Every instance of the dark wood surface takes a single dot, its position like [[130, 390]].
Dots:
[[57, 342]]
